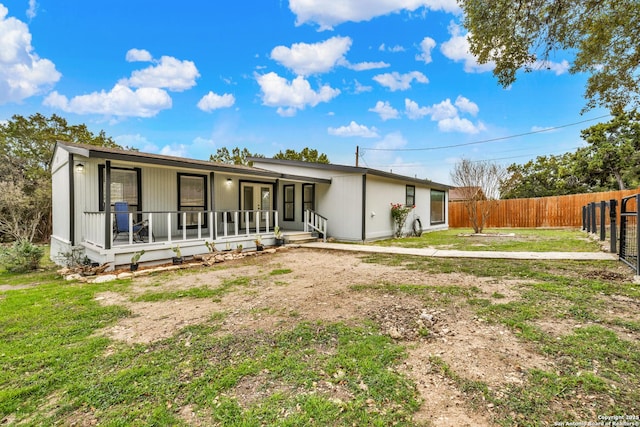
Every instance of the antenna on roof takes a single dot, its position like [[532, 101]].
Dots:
[[357, 154]]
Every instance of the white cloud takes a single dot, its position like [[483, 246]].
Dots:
[[396, 81], [22, 72], [385, 110], [213, 101], [395, 49], [292, 96], [457, 124], [467, 106], [177, 150], [33, 8], [363, 66], [447, 115], [328, 13], [170, 73], [354, 129], [138, 55], [120, 101], [305, 59], [457, 49], [542, 129], [360, 88], [426, 46], [557, 67], [413, 110]]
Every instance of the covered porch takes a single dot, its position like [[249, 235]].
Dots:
[[161, 233]]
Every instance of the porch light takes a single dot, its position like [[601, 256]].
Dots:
[[229, 182], [80, 167]]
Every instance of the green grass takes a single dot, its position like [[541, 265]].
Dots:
[[56, 369], [525, 240]]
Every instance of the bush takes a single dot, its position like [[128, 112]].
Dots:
[[22, 257]]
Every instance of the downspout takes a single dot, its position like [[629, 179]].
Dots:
[[364, 207], [107, 205], [72, 202]]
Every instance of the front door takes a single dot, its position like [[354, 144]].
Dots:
[[256, 197]]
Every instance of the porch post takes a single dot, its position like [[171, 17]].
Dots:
[[107, 205], [72, 201]]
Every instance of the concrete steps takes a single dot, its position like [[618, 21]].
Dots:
[[297, 237]]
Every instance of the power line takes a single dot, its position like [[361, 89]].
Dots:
[[486, 140]]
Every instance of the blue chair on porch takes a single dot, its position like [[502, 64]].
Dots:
[[139, 230]]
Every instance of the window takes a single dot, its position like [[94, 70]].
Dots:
[[125, 187], [437, 207], [410, 195], [289, 202], [192, 196], [308, 198]]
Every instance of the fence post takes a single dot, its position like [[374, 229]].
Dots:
[[603, 225], [593, 217], [612, 223], [584, 218], [587, 216], [637, 234]]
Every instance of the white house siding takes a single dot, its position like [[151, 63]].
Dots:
[[380, 194], [60, 237], [341, 203]]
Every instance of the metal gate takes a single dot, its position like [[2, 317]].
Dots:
[[629, 232]]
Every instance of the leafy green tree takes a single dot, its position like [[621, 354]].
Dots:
[[542, 177], [26, 148], [306, 155], [603, 35], [235, 157], [611, 160]]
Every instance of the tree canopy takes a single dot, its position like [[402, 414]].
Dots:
[[239, 157], [603, 35], [306, 155], [235, 157], [610, 160], [26, 148]]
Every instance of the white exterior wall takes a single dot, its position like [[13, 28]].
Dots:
[[341, 204], [380, 194], [61, 233]]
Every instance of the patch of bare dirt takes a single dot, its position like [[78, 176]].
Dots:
[[320, 286]]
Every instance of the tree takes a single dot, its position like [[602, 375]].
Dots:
[[26, 148], [542, 177], [471, 177], [236, 157], [612, 159], [603, 34], [306, 155]]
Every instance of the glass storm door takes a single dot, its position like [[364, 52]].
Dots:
[[256, 197]]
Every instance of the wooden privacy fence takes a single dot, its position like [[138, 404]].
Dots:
[[555, 211]]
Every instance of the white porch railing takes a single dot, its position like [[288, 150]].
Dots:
[[175, 226], [315, 221]]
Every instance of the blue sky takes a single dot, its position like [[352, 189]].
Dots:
[[393, 77]]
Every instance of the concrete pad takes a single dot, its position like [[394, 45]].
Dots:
[[439, 253]]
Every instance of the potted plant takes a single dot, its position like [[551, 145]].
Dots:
[[277, 233], [178, 258], [134, 260], [239, 248], [259, 246]]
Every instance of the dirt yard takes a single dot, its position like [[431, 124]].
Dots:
[[319, 287]]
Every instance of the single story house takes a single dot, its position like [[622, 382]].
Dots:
[[111, 203]]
